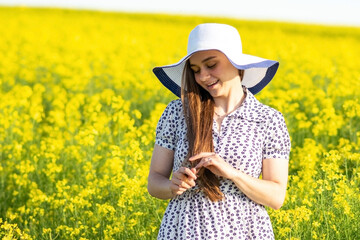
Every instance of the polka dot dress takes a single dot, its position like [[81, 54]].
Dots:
[[248, 135]]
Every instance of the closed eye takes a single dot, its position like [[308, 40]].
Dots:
[[211, 66], [197, 71]]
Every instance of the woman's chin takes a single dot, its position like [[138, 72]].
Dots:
[[215, 93]]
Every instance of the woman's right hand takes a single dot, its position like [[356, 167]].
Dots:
[[182, 180]]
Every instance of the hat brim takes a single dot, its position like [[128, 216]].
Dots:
[[258, 72]]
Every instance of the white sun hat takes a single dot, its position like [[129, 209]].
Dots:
[[258, 72]]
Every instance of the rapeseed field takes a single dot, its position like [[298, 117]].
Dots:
[[79, 106]]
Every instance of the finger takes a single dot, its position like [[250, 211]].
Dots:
[[195, 171], [204, 162], [190, 173], [176, 190], [199, 165], [188, 182], [187, 172], [201, 155], [176, 181], [182, 184], [180, 175], [208, 163], [179, 192], [192, 183]]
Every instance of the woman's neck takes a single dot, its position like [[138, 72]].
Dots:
[[226, 104]]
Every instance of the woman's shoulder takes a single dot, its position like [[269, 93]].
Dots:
[[177, 103], [274, 118], [173, 110], [175, 106], [269, 112], [262, 112]]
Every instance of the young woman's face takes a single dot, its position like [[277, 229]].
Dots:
[[214, 72]]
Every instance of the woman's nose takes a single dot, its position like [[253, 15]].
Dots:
[[204, 75]]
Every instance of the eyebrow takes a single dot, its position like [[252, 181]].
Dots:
[[206, 59]]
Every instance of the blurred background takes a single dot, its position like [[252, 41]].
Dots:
[[333, 12]]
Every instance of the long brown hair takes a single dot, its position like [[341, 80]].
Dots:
[[199, 110]]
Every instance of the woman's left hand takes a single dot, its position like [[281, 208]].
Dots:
[[215, 164]]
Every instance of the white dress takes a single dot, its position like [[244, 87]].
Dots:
[[248, 135]]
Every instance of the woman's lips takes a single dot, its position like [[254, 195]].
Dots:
[[211, 85]]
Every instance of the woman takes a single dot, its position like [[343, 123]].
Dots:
[[217, 140]]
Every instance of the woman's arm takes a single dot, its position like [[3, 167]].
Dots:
[[159, 185], [160, 170], [269, 191]]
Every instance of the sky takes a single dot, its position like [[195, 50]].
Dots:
[[328, 12]]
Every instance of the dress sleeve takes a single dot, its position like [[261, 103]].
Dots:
[[277, 139], [166, 127]]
